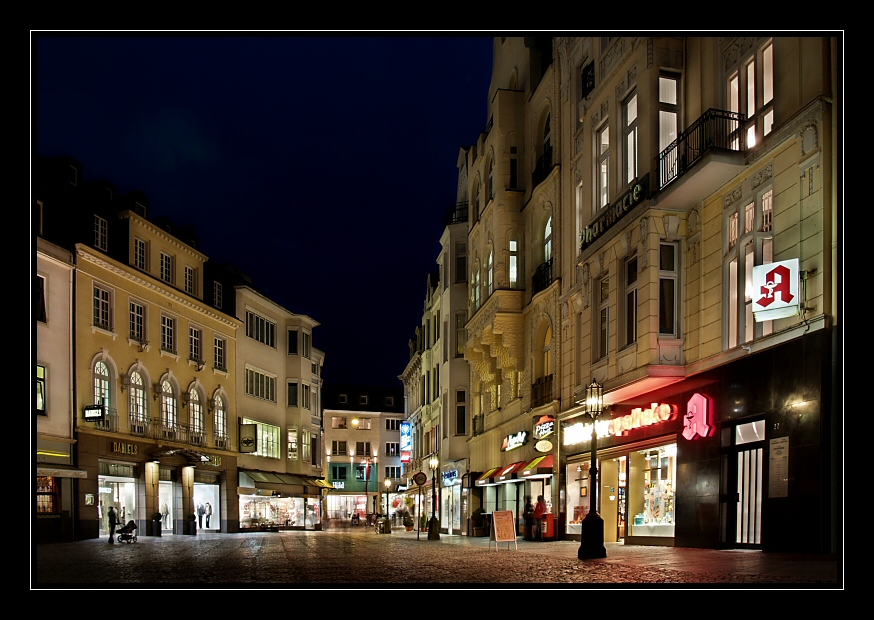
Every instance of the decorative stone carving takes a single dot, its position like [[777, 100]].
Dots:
[[809, 139], [672, 226]]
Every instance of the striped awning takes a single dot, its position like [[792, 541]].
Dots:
[[541, 467], [487, 479], [509, 473]]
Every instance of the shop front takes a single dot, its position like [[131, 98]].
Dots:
[[451, 496], [271, 501]]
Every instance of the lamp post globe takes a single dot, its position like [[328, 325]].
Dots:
[[592, 526], [433, 522]]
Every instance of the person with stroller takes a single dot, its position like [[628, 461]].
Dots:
[[112, 519]]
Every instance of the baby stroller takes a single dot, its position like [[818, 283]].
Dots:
[[128, 533]]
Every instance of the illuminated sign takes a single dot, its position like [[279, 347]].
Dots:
[[544, 427], [697, 418], [516, 440], [775, 290], [339, 484], [450, 478], [93, 413], [620, 425], [406, 438]]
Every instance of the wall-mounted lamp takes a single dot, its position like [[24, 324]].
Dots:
[[212, 403], [125, 381], [185, 399], [200, 366], [156, 389]]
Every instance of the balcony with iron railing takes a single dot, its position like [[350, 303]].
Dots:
[[541, 391], [702, 158], [157, 429], [542, 277], [456, 214]]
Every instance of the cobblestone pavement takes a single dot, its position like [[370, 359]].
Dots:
[[359, 558]]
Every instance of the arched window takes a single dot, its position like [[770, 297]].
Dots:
[[547, 239], [195, 411], [491, 180], [102, 381], [474, 287], [547, 136], [169, 408], [546, 364], [514, 264], [138, 400], [490, 273], [221, 422]]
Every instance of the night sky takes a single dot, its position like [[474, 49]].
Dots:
[[320, 164]]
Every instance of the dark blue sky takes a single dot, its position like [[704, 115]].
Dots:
[[319, 165]]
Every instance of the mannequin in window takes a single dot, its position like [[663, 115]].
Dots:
[[200, 511], [207, 512]]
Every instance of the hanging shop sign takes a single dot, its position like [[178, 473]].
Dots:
[[516, 440], [775, 286], [93, 413], [696, 422], [248, 438], [544, 426], [406, 444]]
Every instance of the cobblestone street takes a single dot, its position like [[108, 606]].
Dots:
[[361, 558]]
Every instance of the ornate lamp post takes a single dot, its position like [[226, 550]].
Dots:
[[433, 522], [352, 478], [592, 527], [387, 484]]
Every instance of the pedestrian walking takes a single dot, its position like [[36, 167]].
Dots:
[[528, 516], [113, 521], [539, 511]]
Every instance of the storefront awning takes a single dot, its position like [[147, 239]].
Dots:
[[272, 477], [319, 482], [487, 479], [541, 467], [508, 473], [60, 470]]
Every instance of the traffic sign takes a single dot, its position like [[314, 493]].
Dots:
[[420, 478]]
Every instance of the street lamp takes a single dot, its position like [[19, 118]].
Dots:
[[351, 479], [387, 483], [592, 527], [433, 523]]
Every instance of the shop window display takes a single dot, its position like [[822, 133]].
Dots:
[[652, 506]]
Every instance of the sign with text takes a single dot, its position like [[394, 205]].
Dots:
[[503, 528], [516, 440]]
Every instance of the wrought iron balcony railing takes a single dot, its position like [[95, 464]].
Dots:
[[456, 214], [541, 391], [542, 277], [714, 130]]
